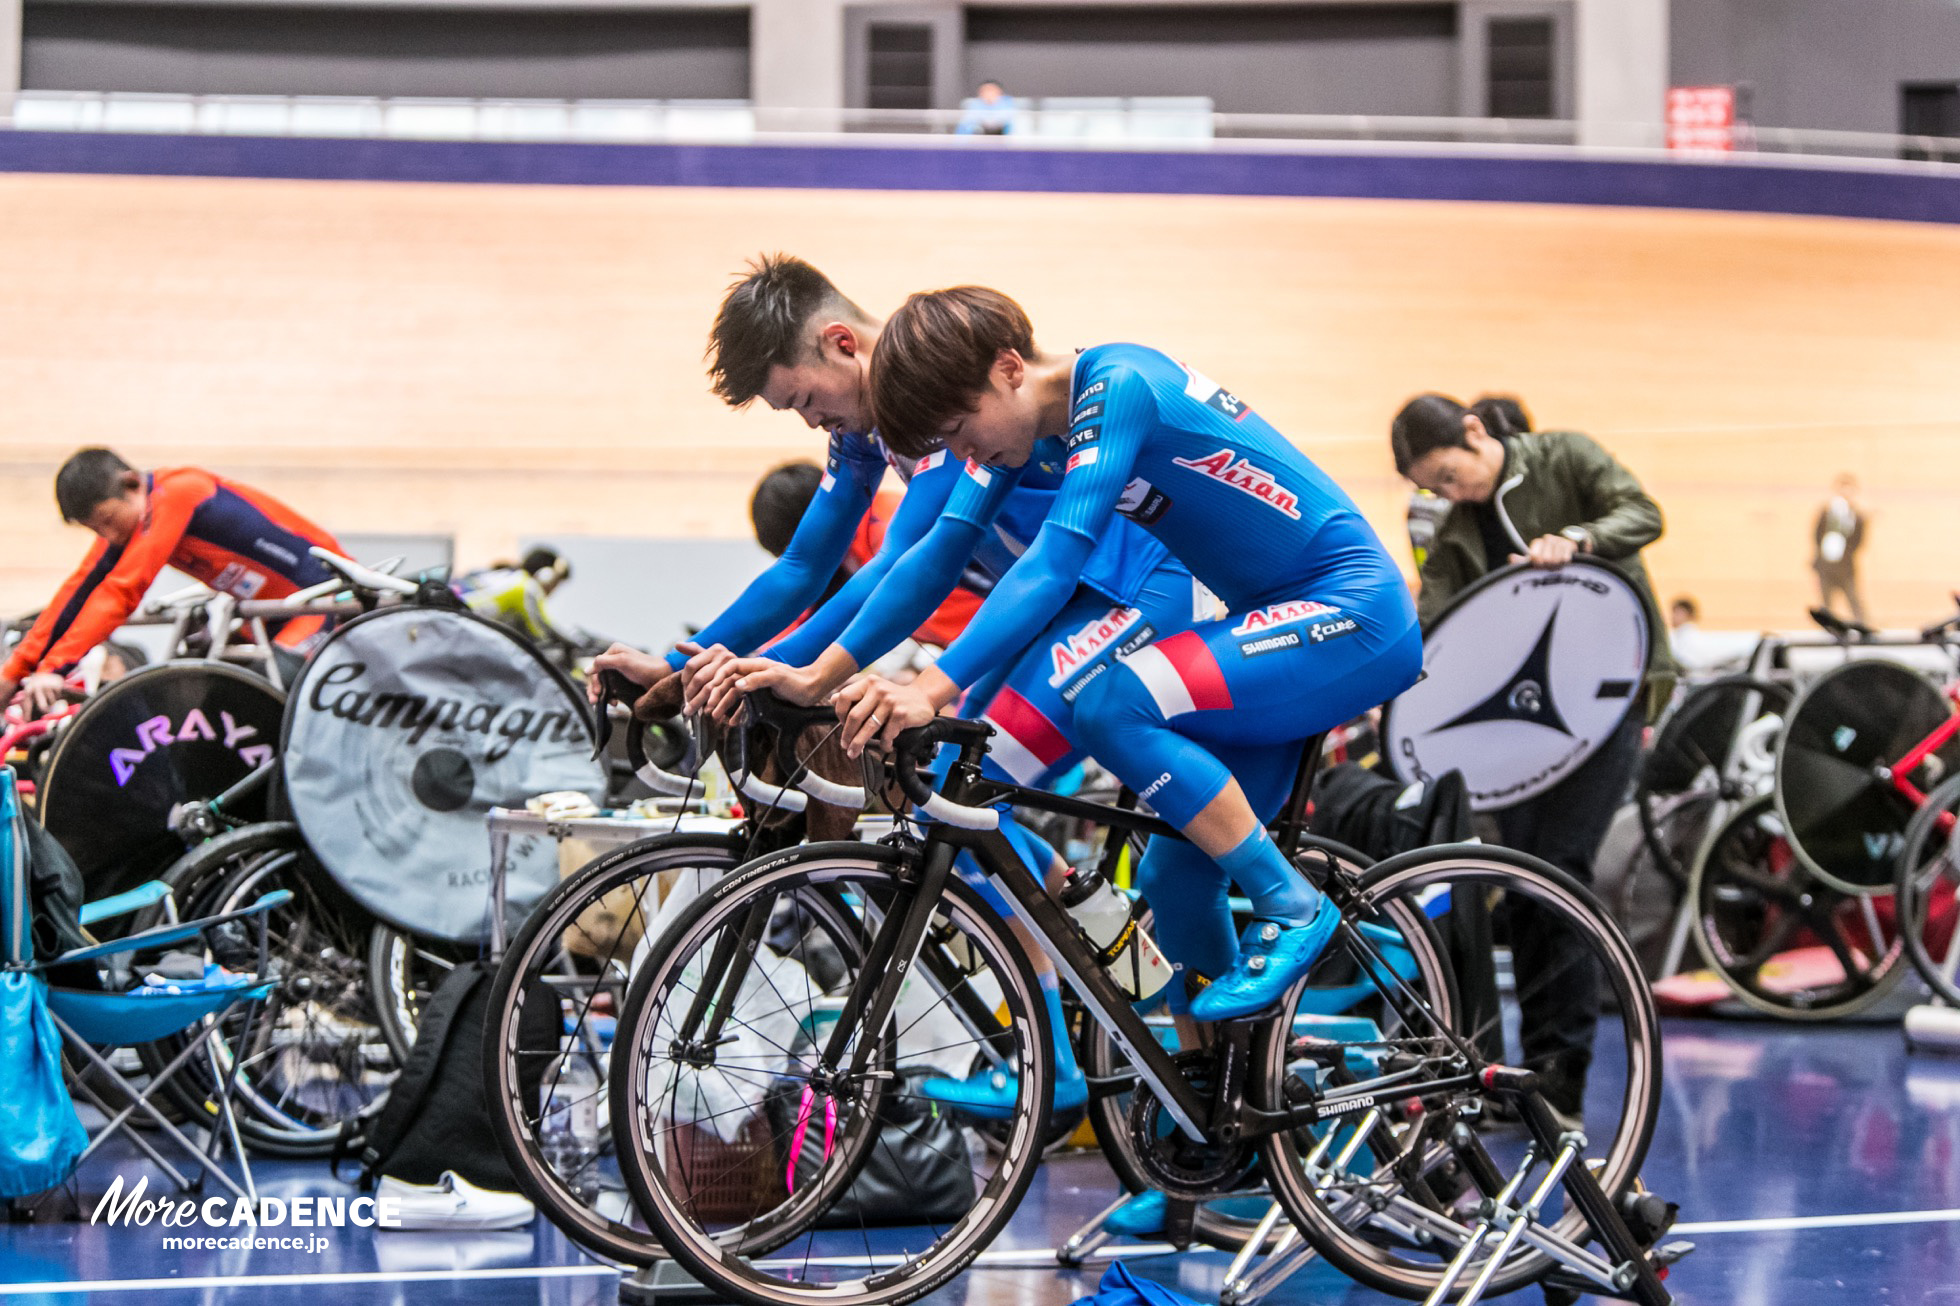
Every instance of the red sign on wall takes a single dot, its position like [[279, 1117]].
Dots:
[[1701, 118]]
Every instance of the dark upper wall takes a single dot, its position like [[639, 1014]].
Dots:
[[1386, 59], [216, 50], [1834, 64]]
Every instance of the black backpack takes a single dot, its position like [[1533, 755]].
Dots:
[[436, 1116]]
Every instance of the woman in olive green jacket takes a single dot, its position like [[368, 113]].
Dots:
[[1560, 494]]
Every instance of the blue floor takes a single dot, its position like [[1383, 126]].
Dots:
[[1777, 1137]]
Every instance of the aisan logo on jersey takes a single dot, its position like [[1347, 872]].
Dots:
[[1080, 647], [1247, 479], [1263, 619]]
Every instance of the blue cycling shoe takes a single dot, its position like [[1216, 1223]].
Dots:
[[991, 1094], [1271, 958], [1140, 1217]]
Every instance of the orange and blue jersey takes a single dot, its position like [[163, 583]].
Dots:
[[228, 536]]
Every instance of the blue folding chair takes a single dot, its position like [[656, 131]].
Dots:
[[94, 1023]]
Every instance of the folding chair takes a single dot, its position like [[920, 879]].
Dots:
[[95, 1023]]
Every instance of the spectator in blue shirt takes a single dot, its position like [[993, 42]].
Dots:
[[990, 111]]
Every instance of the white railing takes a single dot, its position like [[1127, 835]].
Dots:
[[1114, 122]]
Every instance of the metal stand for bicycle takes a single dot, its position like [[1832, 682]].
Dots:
[[662, 1284]]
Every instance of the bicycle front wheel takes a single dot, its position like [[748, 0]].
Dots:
[[576, 949], [741, 1138], [1390, 1196]]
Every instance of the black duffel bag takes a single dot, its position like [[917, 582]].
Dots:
[[918, 1172]]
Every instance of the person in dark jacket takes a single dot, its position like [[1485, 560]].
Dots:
[[1836, 539], [1563, 495]]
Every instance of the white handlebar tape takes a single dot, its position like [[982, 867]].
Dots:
[[835, 794], [941, 808], [769, 795]]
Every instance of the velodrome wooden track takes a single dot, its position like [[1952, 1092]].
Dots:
[[496, 361]]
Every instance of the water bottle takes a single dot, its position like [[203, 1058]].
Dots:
[[1103, 915], [569, 1132]]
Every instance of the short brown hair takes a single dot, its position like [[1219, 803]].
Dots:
[[933, 358], [763, 323]]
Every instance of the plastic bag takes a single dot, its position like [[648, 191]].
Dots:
[[41, 1137], [1121, 1288]]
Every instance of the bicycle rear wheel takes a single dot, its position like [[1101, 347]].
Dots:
[[1784, 940], [1390, 1198], [1843, 818], [1407, 940], [317, 1056], [1924, 894], [1698, 750], [732, 1188]]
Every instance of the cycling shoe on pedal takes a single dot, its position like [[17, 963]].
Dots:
[[991, 1094], [1271, 958]]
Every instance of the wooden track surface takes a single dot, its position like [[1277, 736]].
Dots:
[[500, 361]]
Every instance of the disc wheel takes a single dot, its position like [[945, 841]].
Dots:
[[577, 946], [1928, 876], [1384, 1194], [1701, 749], [1785, 941], [1843, 817], [711, 1182]]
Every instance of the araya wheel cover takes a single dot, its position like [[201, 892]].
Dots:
[[406, 728], [1525, 675], [174, 733]]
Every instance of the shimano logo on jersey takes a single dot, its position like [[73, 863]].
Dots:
[[1143, 502], [274, 550], [1086, 413], [1242, 476], [1080, 647], [1270, 644], [1091, 391], [1082, 458], [1282, 614], [1322, 631], [1076, 439], [1151, 790]]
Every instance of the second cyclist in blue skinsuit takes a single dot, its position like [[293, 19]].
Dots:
[[1206, 723]]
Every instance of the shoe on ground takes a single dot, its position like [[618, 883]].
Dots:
[[992, 1094], [1272, 957], [453, 1202]]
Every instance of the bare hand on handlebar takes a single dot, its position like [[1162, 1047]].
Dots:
[[739, 676], [43, 690], [643, 669], [876, 708]]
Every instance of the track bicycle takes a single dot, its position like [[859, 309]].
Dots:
[[1794, 893], [1368, 1143]]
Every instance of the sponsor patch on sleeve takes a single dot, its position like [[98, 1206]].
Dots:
[[979, 473], [1086, 413], [929, 462], [1083, 457], [1143, 502], [1076, 439]]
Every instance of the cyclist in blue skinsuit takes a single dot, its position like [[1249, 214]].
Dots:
[[1206, 723], [761, 346]]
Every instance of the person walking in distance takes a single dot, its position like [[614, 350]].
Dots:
[[1836, 538]]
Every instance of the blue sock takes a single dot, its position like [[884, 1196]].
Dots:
[[1051, 993], [1277, 889]]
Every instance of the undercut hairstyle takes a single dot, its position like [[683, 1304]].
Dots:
[[933, 360], [1502, 415], [1425, 424], [781, 499], [89, 478], [764, 322]]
